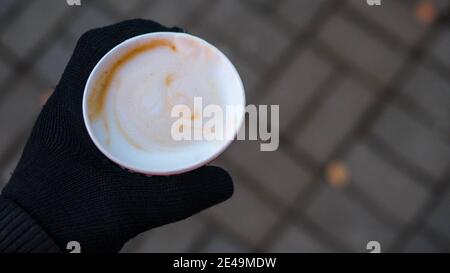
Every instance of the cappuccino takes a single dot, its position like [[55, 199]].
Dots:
[[131, 92]]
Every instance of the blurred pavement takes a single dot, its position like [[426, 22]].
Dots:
[[364, 95]]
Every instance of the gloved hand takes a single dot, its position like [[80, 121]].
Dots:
[[73, 192]]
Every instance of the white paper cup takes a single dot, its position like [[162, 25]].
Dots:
[[159, 163]]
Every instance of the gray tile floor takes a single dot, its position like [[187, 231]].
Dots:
[[364, 95]]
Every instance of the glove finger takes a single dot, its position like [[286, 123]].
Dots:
[[168, 199]]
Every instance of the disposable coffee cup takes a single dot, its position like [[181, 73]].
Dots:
[[130, 97]]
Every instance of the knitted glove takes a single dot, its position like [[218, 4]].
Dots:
[[64, 187]]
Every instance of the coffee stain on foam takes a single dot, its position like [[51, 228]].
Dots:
[[168, 80], [97, 98], [195, 116]]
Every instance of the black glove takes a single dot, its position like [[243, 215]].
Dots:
[[73, 192]]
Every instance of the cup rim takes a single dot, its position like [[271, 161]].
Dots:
[[189, 167]]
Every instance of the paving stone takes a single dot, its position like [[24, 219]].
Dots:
[[244, 213], [172, 12], [390, 188], [296, 240], [175, 237], [5, 6], [263, 3], [124, 7], [431, 92], [441, 46], [247, 36], [441, 4], [300, 13], [220, 243], [52, 63], [420, 244], [296, 86], [439, 218], [285, 178], [412, 141], [254, 34], [347, 221], [89, 18], [338, 114], [4, 72], [358, 46], [393, 17], [22, 103], [28, 28]]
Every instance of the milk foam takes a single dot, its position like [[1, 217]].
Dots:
[[134, 122]]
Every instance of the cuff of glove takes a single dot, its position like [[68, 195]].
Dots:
[[20, 233]]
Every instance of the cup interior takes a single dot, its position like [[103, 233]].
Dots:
[[160, 161]]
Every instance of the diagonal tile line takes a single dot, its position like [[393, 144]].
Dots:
[[310, 188], [302, 157], [116, 15], [387, 93], [19, 71], [202, 239], [420, 222], [351, 137], [306, 113], [304, 221], [195, 18], [232, 234], [399, 45], [11, 13], [253, 60], [191, 21], [438, 67], [419, 113], [25, 65], [364, 77], [23, 68], [433, 62], [266, 8], [359, 131], [418, 175], [299, 43], [389, 38], [386, 96], [256, 189], [292, 215], [370, 205], [198, 15], [270, 14], [207, 235], [367, 80]]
